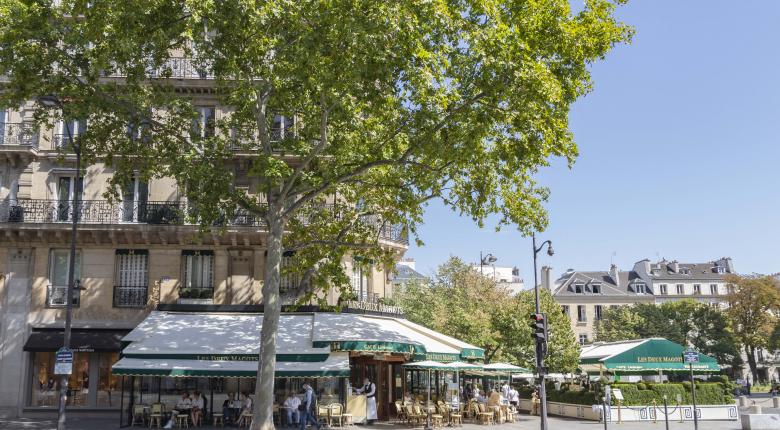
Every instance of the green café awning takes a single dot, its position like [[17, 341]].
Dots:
[[641, 356], [337, 365]]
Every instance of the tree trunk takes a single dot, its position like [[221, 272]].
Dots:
[[264, 388], [751, 356]]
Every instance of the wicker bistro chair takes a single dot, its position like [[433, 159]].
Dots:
[[156, 415], [455, 418], [335, 413], [400, 413], [485, 417], [412, 415], [323, 414]]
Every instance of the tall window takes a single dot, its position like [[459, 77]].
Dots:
[[288, 280], [663, 289], [578, 288], [283, 127], [696, 288], [639, 288], [59, 264], [3, 120], [596, 289], [583, 339], [598, 312], [581, 316], [134, 197], [565, 309], [359, 280], [76, 127], [132, 278], [680, 289], [204, 124], [65, 188], [714, 289], [198, 276]]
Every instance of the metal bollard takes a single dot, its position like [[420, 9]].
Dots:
[[620, 417], [655, 412], [682, 418], [604, 412], [776, 402]]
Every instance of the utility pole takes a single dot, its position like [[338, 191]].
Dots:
[[541, 341]]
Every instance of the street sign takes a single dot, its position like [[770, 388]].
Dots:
[[63, 362], [690, 356], [617, 393]]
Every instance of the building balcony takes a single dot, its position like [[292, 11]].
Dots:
[[22, 136], [130, 297], [173, 68], [163, 213]]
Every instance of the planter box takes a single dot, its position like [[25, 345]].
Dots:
[[638, 413], [195, 301]]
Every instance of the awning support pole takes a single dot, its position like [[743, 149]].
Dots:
[[428, 405]]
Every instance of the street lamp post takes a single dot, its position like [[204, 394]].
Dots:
[[487, 259], [54, 102], [539, 345]]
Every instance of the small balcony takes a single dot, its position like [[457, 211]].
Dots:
[[130, 297], [22, 134], [57, 296], [173, 68]]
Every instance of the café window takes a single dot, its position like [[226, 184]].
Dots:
[[198, 275], [132, 278], [59, 266]]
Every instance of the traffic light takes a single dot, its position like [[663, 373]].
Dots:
[[539, 327]]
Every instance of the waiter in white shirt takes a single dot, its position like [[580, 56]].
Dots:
[[369, 389]]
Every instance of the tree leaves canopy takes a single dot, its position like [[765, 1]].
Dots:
[[466, 305]]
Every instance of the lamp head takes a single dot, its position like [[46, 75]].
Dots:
[[550, 251], [50, 101]]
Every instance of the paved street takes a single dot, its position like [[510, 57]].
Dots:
[[525, 423]]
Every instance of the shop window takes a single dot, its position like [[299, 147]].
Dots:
[[45, 390], [198, 275], [59, 265], [108, 384], [132, 278]]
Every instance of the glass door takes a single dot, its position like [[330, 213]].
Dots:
[[134, 197]]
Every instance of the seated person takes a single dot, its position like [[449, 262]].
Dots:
[[290, 405], [196, 413], [228, 407]]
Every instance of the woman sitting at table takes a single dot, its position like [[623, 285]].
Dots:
[[197, 409], [246, 405], [183, 406]]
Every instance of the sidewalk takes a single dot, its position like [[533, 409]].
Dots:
[[525, 423]]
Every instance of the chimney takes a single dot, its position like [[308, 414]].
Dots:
[[547, 277], [674, 266], [615, 274]]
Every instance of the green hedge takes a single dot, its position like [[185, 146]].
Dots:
[[708, 393]]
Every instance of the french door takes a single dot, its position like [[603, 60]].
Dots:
[[134, 197], [66, 187]]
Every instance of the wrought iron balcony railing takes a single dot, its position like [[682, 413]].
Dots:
[[154, 213], [174, 67], [130, 297], [18, 134], [57, 296]]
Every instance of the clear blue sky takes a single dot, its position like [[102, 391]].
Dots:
[[679, 151]]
